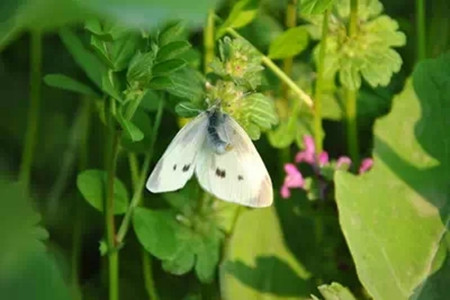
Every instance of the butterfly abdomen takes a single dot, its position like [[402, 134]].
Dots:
[[215, 119]]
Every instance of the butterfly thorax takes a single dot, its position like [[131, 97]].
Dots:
[[215, 119]]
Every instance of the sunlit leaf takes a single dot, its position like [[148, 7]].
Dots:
[[335, 291], [92, 185], [406, 191], [258, 263], [290, 43]]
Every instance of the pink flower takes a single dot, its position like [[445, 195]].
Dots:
[[366, 165], [323, 158], [343, 162], [293, 179], [307, 155]]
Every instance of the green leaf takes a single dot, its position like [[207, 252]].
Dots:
[[117, 53], [160, 83], [172, 32], [266, 267], [142, 121], [187, 83], [335, 291], [168, 66], [172, 50], [257, 114], [283, 136], [132, 131], [243, 12], [157, 232], [140, 68], [208, 256], [187, 109], [368, 54], [314, 7], [64, 82], [84, 58], [406, 191], [182, 263], [290, 43], [92, 185], [110, 85]]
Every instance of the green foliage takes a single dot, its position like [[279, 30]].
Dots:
[[27, 268], [239, 67], [182, 237], [405, 192], [259, 264], [67, 83], [334, 291], [290, 43], [313, 7], [243, 12], [369, 53], [92, 185]]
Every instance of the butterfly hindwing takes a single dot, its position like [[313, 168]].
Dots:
[[238, 175], [177, 164]]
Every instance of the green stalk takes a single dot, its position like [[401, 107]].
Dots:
[[421, 30], [318, 133], [291, 21], [208, 42], [148, 275], [78, 226], [33, 109], [123, 229], [351, 96], [113, 255], [278, 72]]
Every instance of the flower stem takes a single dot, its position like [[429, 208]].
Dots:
[[352, 127], [123, 229], [351, 96], [421, 30], [113, 255], [278, 72], [353, 26], [33, 109], [208, 42], [318, 132], [148, 275]]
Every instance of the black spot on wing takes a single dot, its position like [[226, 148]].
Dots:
[[240, 177], [220, 173], [186, 167], [174, 167]]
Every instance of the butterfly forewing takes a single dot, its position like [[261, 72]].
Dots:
[[177, 164]]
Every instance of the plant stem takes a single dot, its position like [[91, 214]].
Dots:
[[421, 30], [123, 229], [352, 127], [33, 109], [78, 226], [351, 96], [113, 255], [278, 72], [318, 132], [148, 275], [291, 21], [353, 26], [208, 42], [134, 170]]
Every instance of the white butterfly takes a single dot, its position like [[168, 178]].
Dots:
[[223, 157]]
